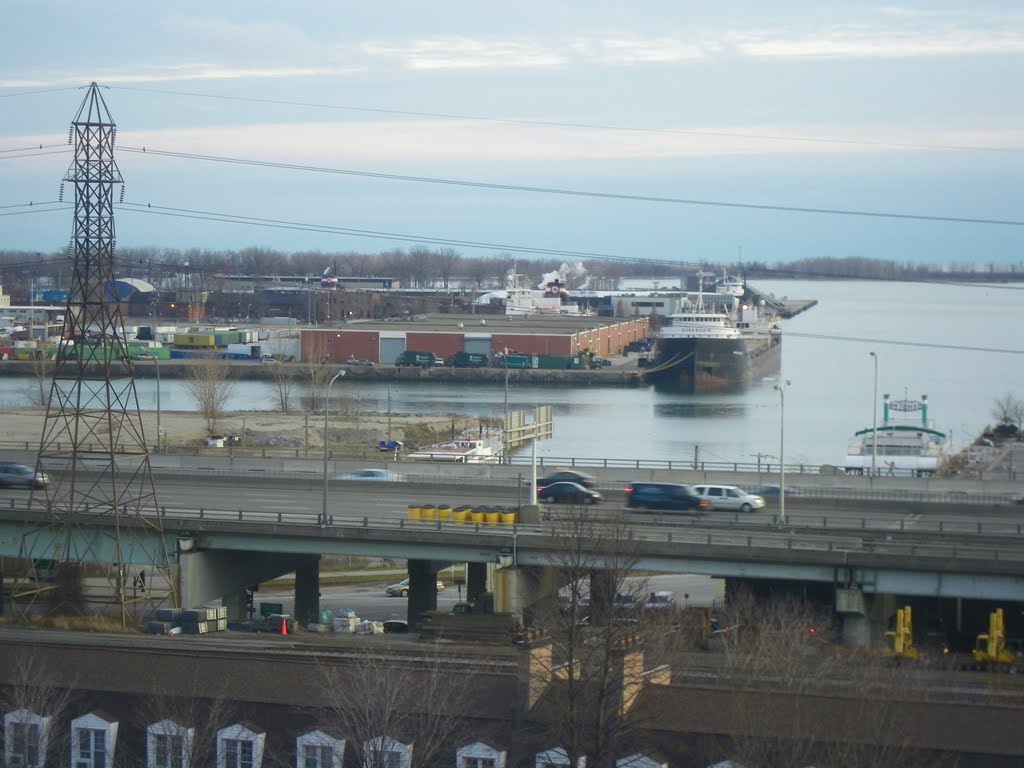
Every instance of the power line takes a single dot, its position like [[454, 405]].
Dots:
[[42, 90], [378, 235], [892, 342], [561, 124], [230, 218], [575, 192], [34, 150]]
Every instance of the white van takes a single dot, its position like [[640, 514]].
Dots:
[[729, 497]]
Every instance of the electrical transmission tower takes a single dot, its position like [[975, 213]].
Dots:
[[99, 531]]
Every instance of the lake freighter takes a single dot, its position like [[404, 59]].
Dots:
[[722, 348]]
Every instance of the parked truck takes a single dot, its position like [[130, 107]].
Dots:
[[468, 360], [413, 358]]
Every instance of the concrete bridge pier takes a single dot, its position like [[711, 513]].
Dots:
[[476, 580], [209, 575], [521, 591], [422, 589], [307, 592], [864, 617]]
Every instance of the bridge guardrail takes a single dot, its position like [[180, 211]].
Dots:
[[492, 475], [875, 540], [824, 541]]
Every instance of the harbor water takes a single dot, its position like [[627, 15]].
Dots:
[[958, 344]]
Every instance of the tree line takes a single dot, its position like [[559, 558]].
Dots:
[[446, 268]]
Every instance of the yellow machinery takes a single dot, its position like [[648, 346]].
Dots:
[[903, 637], [991, 647]]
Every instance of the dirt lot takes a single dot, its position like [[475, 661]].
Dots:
[[261, 428]]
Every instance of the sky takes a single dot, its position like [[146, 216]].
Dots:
[[662, 130]]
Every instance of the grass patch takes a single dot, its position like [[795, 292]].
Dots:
[[92, 623]]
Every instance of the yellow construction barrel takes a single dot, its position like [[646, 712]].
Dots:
[[414, 511], [444, 512]]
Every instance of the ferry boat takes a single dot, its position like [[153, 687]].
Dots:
[[520, 300], [731, 285], [483, 446], [899, 448], [722, 347]]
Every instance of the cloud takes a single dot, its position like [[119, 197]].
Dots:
[[863, 42], [467, 53], [384, 144]]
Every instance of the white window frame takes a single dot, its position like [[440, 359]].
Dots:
[[168, 729], [639, 760], [234, 736], [383, 746], [25, 719], [93, 725], [90, 745], [557, 757], [320, 740], [480, 755]]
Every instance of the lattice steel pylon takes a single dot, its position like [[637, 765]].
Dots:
[[101, 531]]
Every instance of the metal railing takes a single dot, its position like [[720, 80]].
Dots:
[[740, 541]]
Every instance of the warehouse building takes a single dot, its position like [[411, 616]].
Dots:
[[445, 335]]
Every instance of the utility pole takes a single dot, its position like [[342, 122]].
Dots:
[[93, 445]]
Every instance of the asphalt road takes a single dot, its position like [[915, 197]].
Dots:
[[302, 499], [369, 601]]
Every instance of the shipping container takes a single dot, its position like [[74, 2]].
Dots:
[[516, 361], [195, 340], [554, 362], [251, 351]]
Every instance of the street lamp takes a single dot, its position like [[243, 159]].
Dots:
[[327, 411], [781, 389], [157, 364], [874, 422]]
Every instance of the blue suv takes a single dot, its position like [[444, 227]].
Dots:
[[670, 497]]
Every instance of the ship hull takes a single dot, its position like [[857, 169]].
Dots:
[[713, 365]]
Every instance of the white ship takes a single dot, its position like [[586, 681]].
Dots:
[[899, 448], [483, 446], [520, 300]]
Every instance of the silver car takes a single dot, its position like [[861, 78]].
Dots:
[[729, 497], [20, 476]]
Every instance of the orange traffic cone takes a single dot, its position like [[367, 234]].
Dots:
[[284, 625]]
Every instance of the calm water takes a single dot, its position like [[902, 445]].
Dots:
[[930, 339]]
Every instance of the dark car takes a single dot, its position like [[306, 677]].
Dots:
[[665, 496], [568, 476], [567, 493], [20, 476], [772, 492]]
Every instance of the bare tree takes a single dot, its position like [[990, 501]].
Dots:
[[379, 693], [284, 386], [447, 259], [190, 717], [593, 629], [41, 727], [1009, 411], [41, 365], [208, 381], [798, 698], [318, 370]]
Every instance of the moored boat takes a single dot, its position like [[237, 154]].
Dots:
[[483, 446], [899, 448], [721, 344]]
